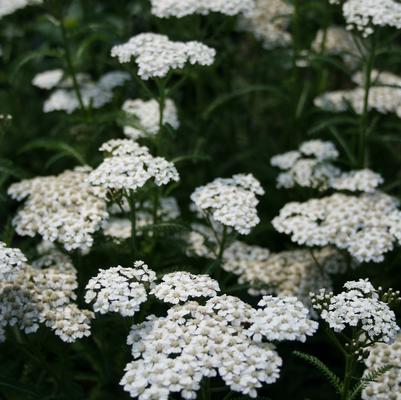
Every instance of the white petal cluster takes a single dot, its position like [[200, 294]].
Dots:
[[61, 208], [147, 117], [43, 293], [156, 54], [8, 7], [364, 15], [384, 95], [359, 306], [289, 273], [174, 353], [337, 41], [281, 319], [388, 385], [120, 290], [180, 286], [11, 260], [181, 8], [129, 166], [312, 166], [231, 201], [48, 79], [94, 94], [119, 229], [268, 21], [367, 226]]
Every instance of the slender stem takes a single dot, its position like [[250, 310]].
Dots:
[[131, 200], [222, 245], [349, 367], [156, 201], [70, 65], [363, 159]]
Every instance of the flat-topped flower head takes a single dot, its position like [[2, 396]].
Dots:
[[177, 287], [62, 208], [130, 166], [181, 8], [312, 166], [358, 306], [367, 226], [10, 261], [385, 386], [93, 94], [8, 7], [156, 54], [43, 293], [120, 290], [48, 79], [281, 319], [230, 201], [268, 21], [147, 117]]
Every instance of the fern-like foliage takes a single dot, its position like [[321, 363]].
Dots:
[[331, 377], [370, 377]]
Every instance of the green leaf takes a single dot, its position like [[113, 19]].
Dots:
[[332, 378], [9, 168], [165, 228], [332, 121], [56, 145], [221, 100], [370, 377]]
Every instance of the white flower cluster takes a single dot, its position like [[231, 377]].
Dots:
[[119, 229], [11, 261], [337, 41], [289, 273], [48, 79], [281, 319], [63, 208], [180, 286], [182, 8], [120, 290], [386, 386], [147, 117], [384, 95], [364, 15], [156, 54], [129, 166], [312, 166], [268, 21], [367, 226], [94, 94], [359, 305], [173, 354], [231, 201], [43, 293], [8, 7]]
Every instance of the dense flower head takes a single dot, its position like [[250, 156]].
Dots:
[[385, 386], [359, 305], [364, 15], [312, 166], [367, 226], [10, 261], [268, 21], [43, 293], [230, 201], [174, 353], [129, 166], [93, 94], [120, 228], [178, 287], [156, 54], [281, 319], [147, 115], [181, 8], [10, 6], [48, 79], [120, 290], [62, 208]]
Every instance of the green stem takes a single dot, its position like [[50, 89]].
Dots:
[[131, 200], [222, 245], [70, 65], [349, 367], [364, 120]]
